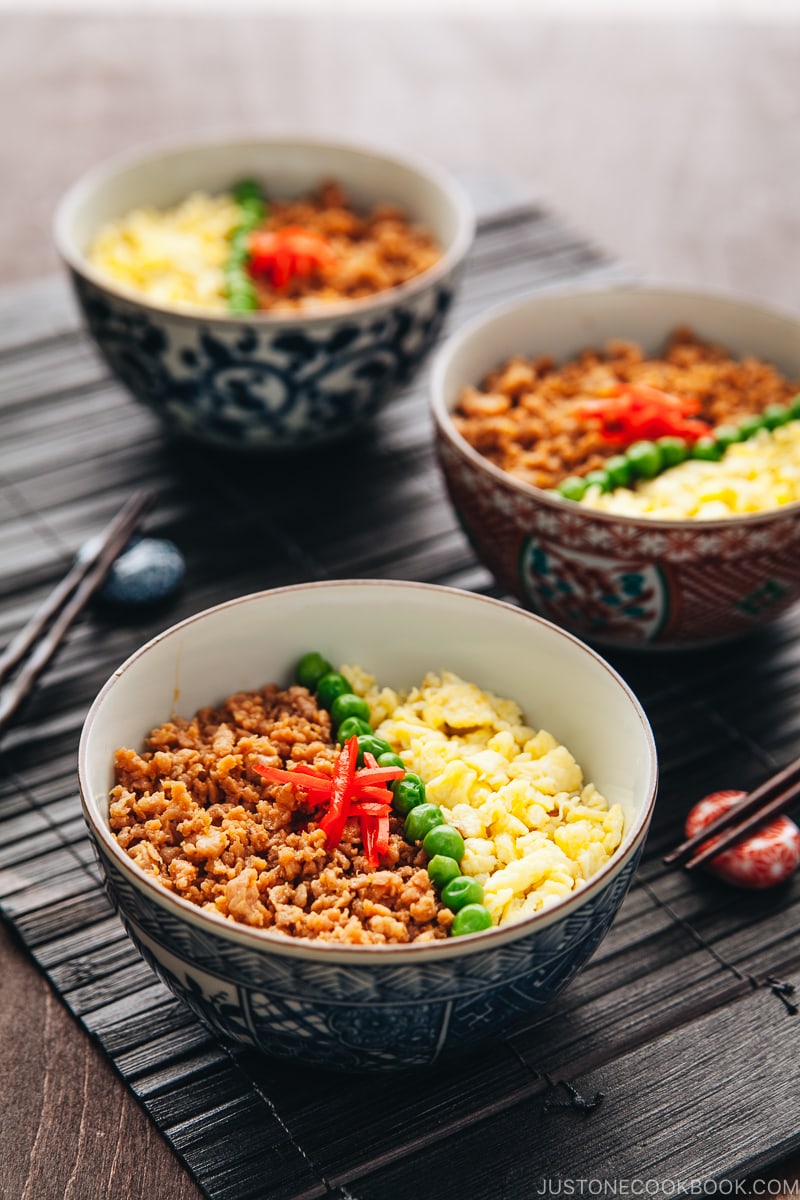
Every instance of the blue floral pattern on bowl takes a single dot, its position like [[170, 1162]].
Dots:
[[265, 385], [363, 1018]]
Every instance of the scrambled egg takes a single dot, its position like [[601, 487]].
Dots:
[[175, 257], [758, 475], [533, 830]]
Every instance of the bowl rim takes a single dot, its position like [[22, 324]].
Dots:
[[386, 955], [444, 423], [86, 183]]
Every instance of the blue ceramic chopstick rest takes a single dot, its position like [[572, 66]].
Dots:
[[148, 571]]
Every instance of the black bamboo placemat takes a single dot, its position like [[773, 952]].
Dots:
[[673, 1057]]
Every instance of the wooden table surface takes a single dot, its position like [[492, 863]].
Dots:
[[674, 144]]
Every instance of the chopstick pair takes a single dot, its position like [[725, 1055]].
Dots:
[[49, 625], [770, 799]]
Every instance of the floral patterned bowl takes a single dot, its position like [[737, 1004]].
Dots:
[[371, 1007], [618, 581], [265, 382]]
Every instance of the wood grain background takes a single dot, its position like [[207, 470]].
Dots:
[[675, 144]]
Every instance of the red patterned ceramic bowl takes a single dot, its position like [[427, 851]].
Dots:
[[618, 581]]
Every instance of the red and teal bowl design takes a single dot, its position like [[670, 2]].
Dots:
[[621, 581], [613, 580]]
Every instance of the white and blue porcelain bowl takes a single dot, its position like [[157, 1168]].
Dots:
[[371, 1007], [265, 381]]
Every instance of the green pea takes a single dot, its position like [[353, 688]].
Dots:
[[352, 727], [775, 415], [444, 839], [572, 488], [368, 743], [673, 449], [794, 407], [390, 759], [598, 479], [246, 190], [727, 435], [408, 793], [471, 919], [461, 891], [415, 779], [253, 213], [618, 470], [645, 458], [238, 247], [349, 705], [421, 820], [310, 669], [236, 262], [750, 426], [442, 869], [707, 449], [330, 686], [242, 300]]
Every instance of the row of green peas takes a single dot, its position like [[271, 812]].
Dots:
[[239, 287], [645, 460], [444, 846], [424, 822], [349, 713]]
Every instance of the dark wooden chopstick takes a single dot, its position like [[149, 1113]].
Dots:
[[769, 799], [29, 635], [49, 625]]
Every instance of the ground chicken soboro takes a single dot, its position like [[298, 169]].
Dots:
[[375, 250], [191, 811], [522, 416]]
